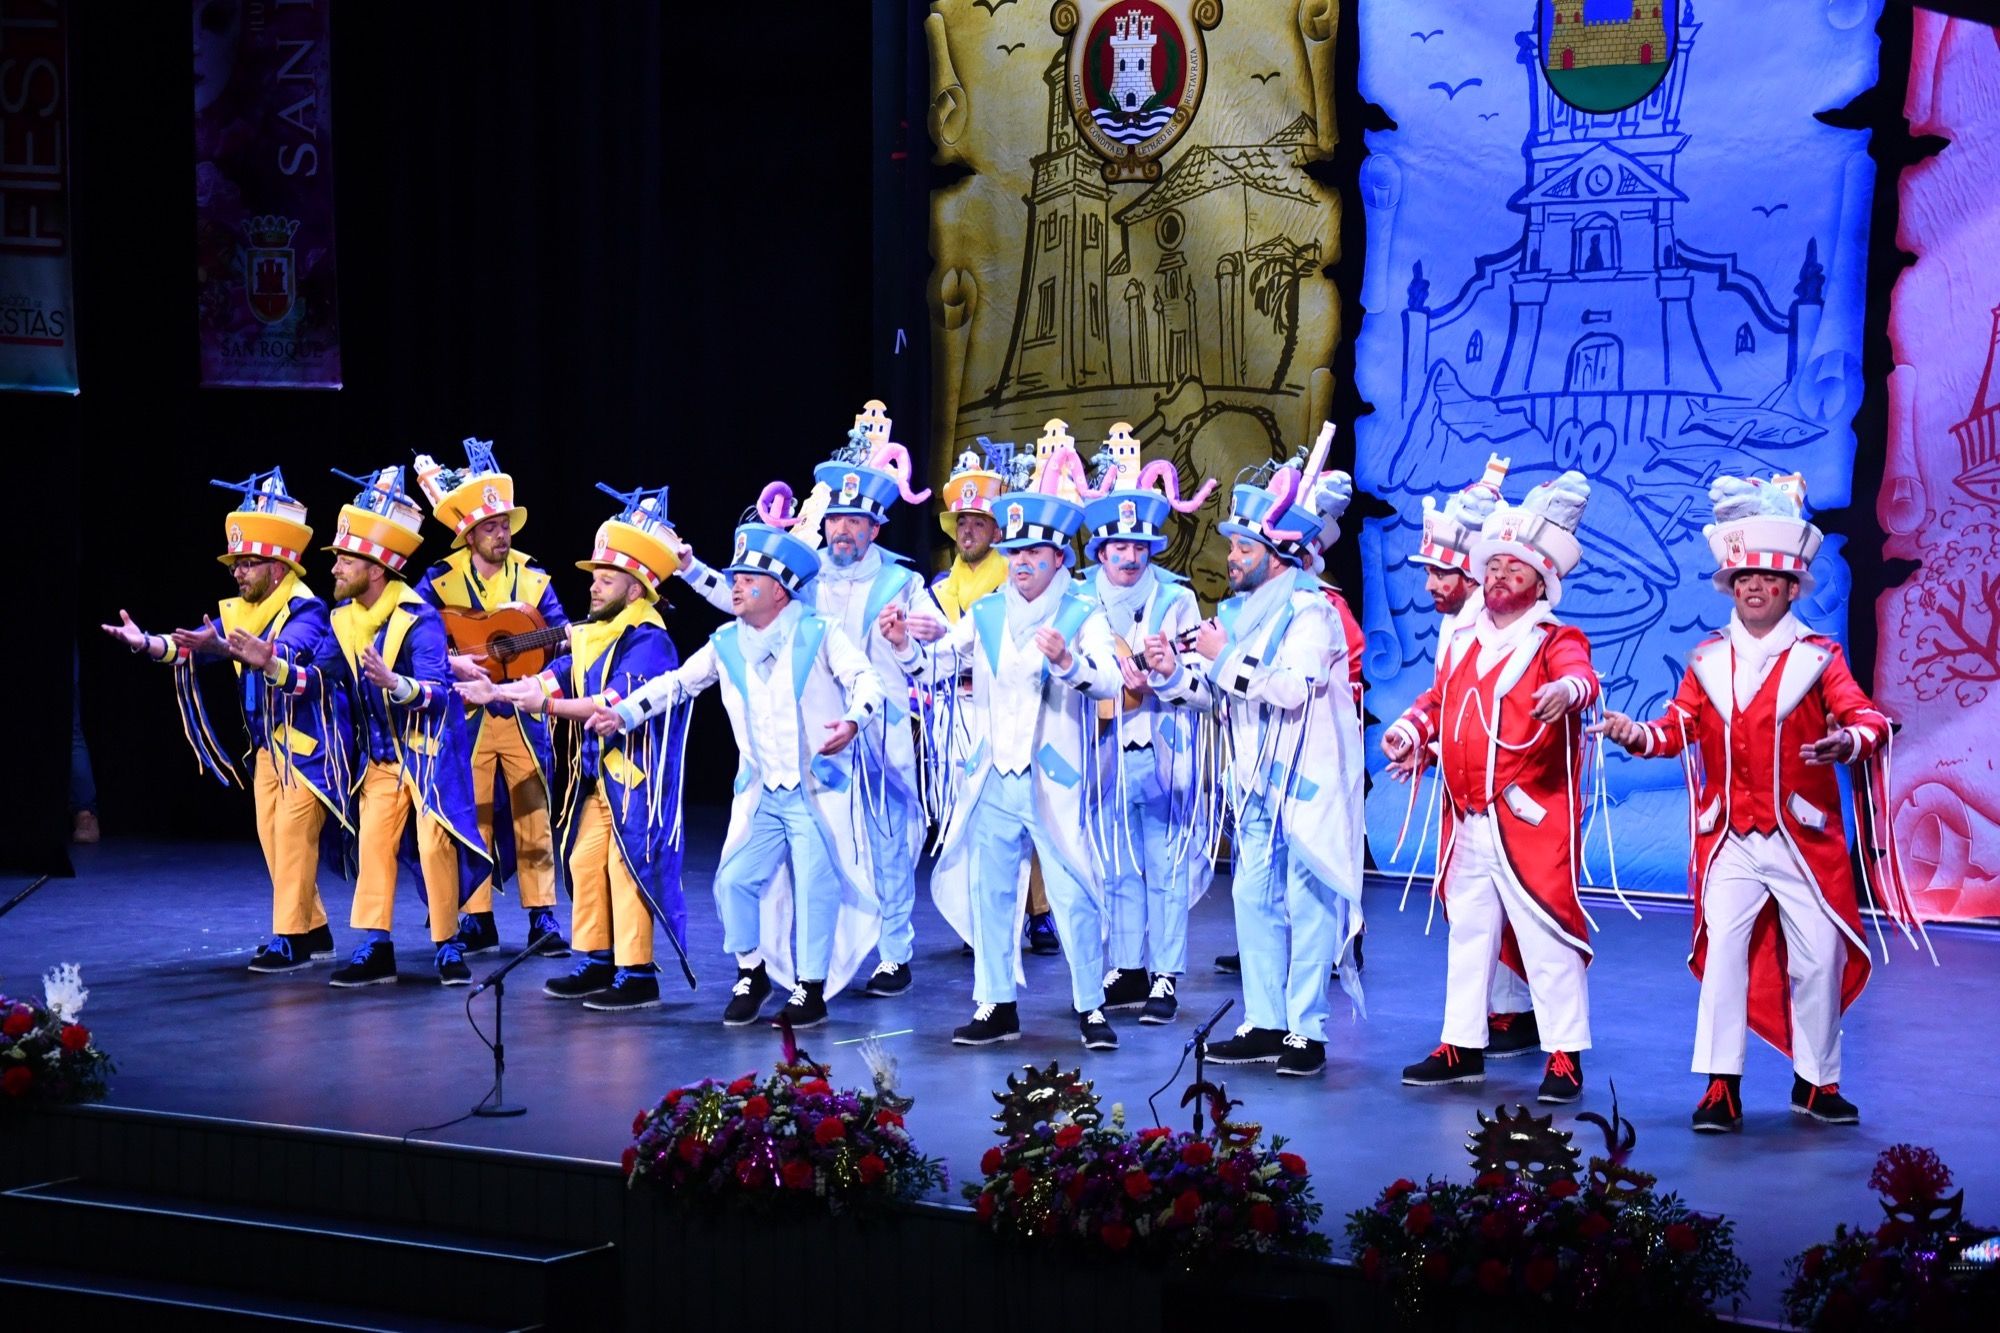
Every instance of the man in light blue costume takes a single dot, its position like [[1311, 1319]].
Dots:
[[1041, 654], [1273, 664], [793, 887], [857, 581], [621, 816], [1154, 845]]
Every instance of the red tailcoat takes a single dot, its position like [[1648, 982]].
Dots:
[[1751, 779], [1357, 643], [1499, 758]]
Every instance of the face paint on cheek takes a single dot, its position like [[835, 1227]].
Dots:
[[1041, 566]]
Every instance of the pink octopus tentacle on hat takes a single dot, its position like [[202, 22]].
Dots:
[[1065, 463], [1161, 475], [1297, 485], [894, 459], [774, 505]]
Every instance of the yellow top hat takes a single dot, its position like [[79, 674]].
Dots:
[[382, 524], [462, 500], [268, 524], [639, 540]]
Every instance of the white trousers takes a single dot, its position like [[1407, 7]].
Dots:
[[1747, 869], [1482, 899]]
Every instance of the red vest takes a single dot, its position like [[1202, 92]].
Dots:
[[1752, 734]]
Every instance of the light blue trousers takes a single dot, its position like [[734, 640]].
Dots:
[[895, 876], [1146, 890], [784, 828], [1003, 827], [1289, 929]]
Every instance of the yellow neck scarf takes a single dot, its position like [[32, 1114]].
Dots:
[[356, 625], [588, 640], [256, 617]]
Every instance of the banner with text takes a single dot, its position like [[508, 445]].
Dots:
[[264, 257], [37, 332]]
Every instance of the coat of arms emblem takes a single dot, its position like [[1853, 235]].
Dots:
[[270, 268], [1016, 520], [1128, 515], [742, 545], [850, 487], [490, 497], [235, 534], [1135, 75]]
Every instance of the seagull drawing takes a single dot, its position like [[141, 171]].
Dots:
[[1010, 49], [1488, 115], [1767, 212], [990, 5], [1265, 78], [1451, 93], [1425, 37]]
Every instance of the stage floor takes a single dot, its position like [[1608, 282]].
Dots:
[[163, 932]]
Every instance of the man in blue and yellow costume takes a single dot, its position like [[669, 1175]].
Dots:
[[416, 787], [513, 768], [275, 632], [621, 820]]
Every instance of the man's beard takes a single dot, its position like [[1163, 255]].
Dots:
[[609, 611], [1505, 601], [1450, 603], [1251, 577]]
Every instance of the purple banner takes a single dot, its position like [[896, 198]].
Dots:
[[37, 332], [263, 182]]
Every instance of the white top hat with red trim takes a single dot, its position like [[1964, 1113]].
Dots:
[[1761, 525], [268, 524], [382, 524], [463, 499], [1450, 531], [1540, 532]]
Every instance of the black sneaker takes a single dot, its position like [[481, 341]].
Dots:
[[545, 932], [1250, 1046], [1446, 1064], [373, 963], [1824, 1104], [1161, 1006], [1509, 1035], [1125, 988], [1301, 1056], [1230, 963], [477, 933], [1721, 1109], [990, 1023], [1042, 935], [285, 953], [592, 976], [452, 970], [747, 996], [1097, 1031], [1562, 1080], [806, 1008], [319, 941], [632, 988], [889, 979]]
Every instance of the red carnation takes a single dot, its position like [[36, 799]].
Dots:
[[829, 1130], [1811, 1260], [674, 1097], [1540, 1274], [872, 1168], [1680, 1236], [1593, 1226], [1437, 1267], [1371, 1263], [1116, 1235], [627, 1159], [984, 1205], [797, 1175], [639, 1122], [16, 1080], [991, 1160], [1186, 1204], [1493, 1276], [1294, 1164], [750, 1174], [1493, 1226], [885, 1118], [19, 1021], [1909, 1174], [1138, 1184], [1024, 1180], [75, 1036], [1398, 1189], [1075, 1188], [1263, 1218], [757, 1108], [1562, 1189], [1069, 1136], [742, 1085], [1152, 1132], [815, 1087], [1418, 1220], [1491, 1180], [689, 1150], [1197, 1154]]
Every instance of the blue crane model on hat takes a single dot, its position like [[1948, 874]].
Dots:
[[869, 485], [1138, 510], [1271, 506]]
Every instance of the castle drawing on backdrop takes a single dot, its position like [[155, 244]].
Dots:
[[1607, 338]]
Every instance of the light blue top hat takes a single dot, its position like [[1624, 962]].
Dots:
[[1255, 513], [1127, 516], [763, 549], [1035, 518], [858, 489]]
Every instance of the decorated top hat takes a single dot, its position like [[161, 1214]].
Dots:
[[463, 499], [1274, 506], [268, 524], [382, 524], [1136, 501], [761, 548], [639, 539], [1039, 514], [975, 484], [1540, 532], [870, 471], [1449, 532], [1761, 525]]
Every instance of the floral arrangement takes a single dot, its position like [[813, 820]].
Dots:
[[1912, 1270], [46, 1056], [791, 1140], [1530, 1234], [1062, 1174]]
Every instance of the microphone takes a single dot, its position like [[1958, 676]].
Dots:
[[1201, 1033]]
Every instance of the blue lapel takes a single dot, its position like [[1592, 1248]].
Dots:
[[989, 622], [806, 640], [887, 584], [730, 653]]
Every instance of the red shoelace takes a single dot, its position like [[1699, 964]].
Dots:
[[1448, 1051], [1718, 1095], [1561, 1066], [1499, 1022]]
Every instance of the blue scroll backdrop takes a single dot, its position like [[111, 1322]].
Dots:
[[1651, 297]]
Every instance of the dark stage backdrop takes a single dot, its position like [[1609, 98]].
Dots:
[[627, 242]]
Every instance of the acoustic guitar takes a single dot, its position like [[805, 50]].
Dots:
[[510, 642]]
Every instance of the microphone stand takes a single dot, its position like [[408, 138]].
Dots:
[[22, 896], [1199, 1043], [496, 1103]]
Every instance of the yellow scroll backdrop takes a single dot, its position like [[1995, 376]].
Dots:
[[1179, 285]]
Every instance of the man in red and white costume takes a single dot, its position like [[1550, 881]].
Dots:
[[1509, 752], [1765, 711]]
